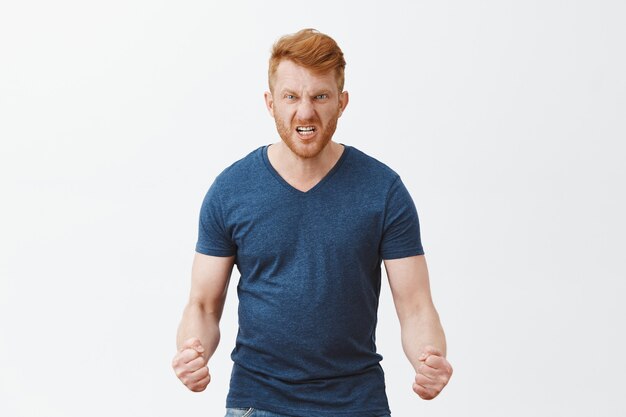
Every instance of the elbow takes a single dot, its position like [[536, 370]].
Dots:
[[422, 311], [203, 308]]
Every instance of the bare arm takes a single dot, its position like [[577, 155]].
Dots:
[[423, 339], [198, 332]]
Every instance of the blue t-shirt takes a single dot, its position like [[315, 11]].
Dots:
[[310, 265]]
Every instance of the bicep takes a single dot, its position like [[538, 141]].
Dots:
[[409, 283], [210, 276]]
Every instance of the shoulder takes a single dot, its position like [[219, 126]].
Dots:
[[366, 166], [243, 165], [241, 171]]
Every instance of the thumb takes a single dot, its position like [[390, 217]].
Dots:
[[193, 343], [429, 350]]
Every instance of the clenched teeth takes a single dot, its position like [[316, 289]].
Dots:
[[305, 129]]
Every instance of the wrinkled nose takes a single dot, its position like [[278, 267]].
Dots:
[[305, 110]]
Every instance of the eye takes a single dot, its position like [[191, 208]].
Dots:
[[290, 96], [321, 96]]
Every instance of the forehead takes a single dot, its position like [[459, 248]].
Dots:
[[290, 75]]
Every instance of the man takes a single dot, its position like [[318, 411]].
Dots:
[[308, 222]]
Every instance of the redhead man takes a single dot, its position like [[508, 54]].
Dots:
[[308, 222]]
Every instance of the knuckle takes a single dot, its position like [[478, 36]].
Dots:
[[429, 394], [186, 377], [181, 368], [198, 386]]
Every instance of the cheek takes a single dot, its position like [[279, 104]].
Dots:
[[331, 115], [283, 114]]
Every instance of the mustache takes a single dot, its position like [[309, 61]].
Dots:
[[306, 122]]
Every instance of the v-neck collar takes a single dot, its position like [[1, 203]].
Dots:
[[319, 184]]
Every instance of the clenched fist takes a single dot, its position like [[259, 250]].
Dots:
[[433, 374], [190, 366]]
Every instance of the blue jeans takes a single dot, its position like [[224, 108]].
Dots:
[[253, 412]]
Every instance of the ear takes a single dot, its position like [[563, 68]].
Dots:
[[269, 102], [344, 98]]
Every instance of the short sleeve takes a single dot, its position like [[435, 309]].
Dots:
[[212, 236], [401, 229]]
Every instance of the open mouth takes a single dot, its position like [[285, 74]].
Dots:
[[305, 130]]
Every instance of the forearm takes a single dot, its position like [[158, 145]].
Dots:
[[419, 329], [198, 322]]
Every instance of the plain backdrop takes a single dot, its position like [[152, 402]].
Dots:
[[505, 120]]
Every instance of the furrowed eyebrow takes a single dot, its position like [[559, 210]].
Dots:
[[290, 92]]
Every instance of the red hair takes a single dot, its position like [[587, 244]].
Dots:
[[310, 49]]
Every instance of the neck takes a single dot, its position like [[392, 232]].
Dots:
[[303, 173]]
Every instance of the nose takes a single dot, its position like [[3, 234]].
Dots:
[[306, 111]]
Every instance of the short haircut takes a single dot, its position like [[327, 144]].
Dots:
[[310, 49]]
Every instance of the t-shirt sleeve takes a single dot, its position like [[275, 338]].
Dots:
[[401, 228], [213, 238]]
